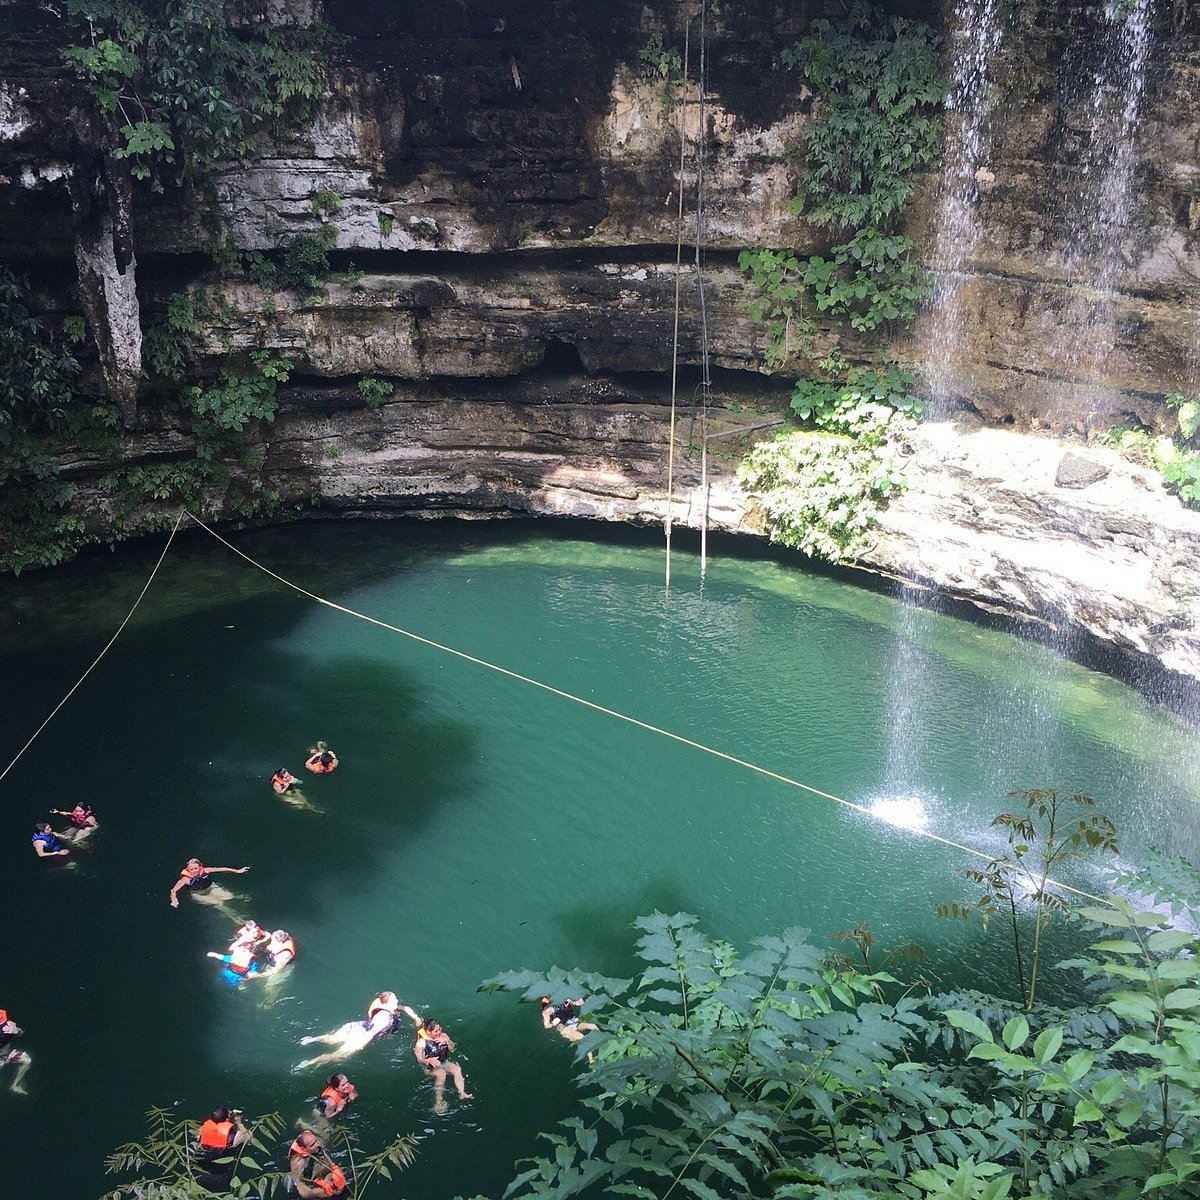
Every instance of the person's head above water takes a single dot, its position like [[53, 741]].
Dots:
[[220, 1113], [42, 827], [281, 935]]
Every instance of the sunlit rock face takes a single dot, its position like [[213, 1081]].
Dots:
[[504, 180]]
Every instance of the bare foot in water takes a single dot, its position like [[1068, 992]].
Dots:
[[19, 1088]]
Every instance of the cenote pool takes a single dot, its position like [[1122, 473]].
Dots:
[[478, 824]]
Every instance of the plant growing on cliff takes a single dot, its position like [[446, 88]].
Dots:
[[880, 124], [38, 405], [375, 391], [822, 491], [665, 64], [303, 263], [182, 88]]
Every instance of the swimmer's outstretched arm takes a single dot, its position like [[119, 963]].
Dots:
[[411, 1014], [227, 870], [180, 882]]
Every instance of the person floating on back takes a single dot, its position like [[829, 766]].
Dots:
[[354, 1035], [46, 843], [432, 1050], [197, 878], [83, 821], [321, 760], [10, 1056], [564, 1019]]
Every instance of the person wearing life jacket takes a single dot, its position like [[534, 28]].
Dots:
[[329, 1182], [432, 1050], [197, 878], [321, 760], [564, 1018], [10, 1055], [250, 934], [223, 1132], [280, 950], [338, 1093], [46, 843], [240, 964], [354, 1035], [284, 782], [83, 821]]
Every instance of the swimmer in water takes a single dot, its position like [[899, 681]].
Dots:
[[83, 822], [432, 1050], [321, 760], [197, 878], [250, 934], [354, 1035], [564, 1018], [10, 1055], [287, 788], [46, 843], [240, 964], [314, 1175], [337, 1094], [280, 951]]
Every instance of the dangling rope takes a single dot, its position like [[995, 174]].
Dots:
[[705, 378], [600, 708], [111, 640], [687, 33]]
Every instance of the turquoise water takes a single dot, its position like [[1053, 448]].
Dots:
[[478, 824]]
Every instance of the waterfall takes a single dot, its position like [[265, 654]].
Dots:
[[1095, 202], [977, 34]]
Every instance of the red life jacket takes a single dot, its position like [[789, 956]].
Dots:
[[215, 1135]]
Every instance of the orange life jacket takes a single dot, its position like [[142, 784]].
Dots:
[[3, 1016], [216, 1134], [299, 1149], [320, 768], [279, 948], [194, 872], [333, 1183], [240, 958], [336, 1101]]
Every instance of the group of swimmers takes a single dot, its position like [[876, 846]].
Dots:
[[253, 952]]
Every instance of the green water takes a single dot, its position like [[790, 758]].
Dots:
[[478, 824]]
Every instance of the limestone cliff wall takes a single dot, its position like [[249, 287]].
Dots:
[[508, 185]]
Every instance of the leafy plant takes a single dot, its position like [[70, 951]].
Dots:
[[1056, 827], [775, 1071], [386, 222], [182, 88], [878, 77], [167, 1166], [665, 64], [303, 263], [325, 204], [171, 335], [375, 391]]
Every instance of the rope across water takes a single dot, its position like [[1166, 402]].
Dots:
[[537, 683]]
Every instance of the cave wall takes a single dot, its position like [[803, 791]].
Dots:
[[508, 178]]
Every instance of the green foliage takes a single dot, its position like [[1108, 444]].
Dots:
[[386, 222], [171, 335], [1056, 827], [303, 263], [1177, 459], [375, 391], [821, 492], [325, 204], [719, 1073], [665, 64], [167, 1166], [183, 87], [222, 411], [229, 256], [38, 405], [75, 329], [880, 123]]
